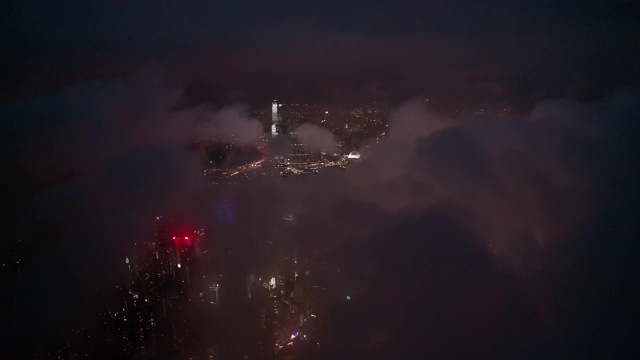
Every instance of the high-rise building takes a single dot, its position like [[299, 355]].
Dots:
[[213, 294], [198, 238], [276, 118]]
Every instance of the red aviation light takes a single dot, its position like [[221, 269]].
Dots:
[[182, 240]]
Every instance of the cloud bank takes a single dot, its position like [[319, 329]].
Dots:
[[316, 138], [476, 236]]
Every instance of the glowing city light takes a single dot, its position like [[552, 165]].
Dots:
[[353, 155]]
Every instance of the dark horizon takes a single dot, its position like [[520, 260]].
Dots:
[[515, 53]]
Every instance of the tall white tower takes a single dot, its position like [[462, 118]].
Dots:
[[275, 117]]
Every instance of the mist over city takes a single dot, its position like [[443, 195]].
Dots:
[[330, 180]]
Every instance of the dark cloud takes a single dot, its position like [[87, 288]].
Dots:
[[489, 253], [520, 178]]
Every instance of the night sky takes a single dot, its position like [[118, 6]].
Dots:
[[516, 52], [467, 238]]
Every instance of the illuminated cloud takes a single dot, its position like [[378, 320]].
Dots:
[[232, 123], [316, 138]]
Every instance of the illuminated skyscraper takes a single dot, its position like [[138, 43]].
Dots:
[[276, 118], [213, 294]]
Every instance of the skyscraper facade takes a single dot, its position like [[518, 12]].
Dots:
[[276, 118]]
